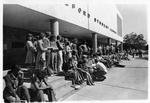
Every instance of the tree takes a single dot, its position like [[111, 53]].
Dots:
[[134, 41]]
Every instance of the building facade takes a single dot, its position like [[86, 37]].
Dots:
[[93, 22]]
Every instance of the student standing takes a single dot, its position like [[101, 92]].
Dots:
[[30, 57], [41, 53], [54, 50], [59, 43]]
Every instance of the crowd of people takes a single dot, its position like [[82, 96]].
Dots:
[[134, 52], [48, 55]]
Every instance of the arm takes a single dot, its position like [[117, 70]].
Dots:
[[9, 86], [81, 70], [41, 46], [59, 45], [68, 49], [48, 85], [31, 46], [55, 47], [36, 85]]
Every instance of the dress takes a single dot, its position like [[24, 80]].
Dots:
[[30, 58]]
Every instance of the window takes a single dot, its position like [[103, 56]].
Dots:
[[17, 45]]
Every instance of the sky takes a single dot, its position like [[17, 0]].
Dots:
[[134, 18]]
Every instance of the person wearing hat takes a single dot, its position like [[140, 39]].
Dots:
[[14, 90]]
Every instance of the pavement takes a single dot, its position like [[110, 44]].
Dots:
[[128, 83]]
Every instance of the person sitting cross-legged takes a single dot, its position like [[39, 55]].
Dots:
[[73, 73], [85, 72]]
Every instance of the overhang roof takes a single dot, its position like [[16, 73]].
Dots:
[[25, 18]]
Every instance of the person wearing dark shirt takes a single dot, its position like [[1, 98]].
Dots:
[[14, 90]]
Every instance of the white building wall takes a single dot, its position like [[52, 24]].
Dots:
[[63, 12], [106, 13]]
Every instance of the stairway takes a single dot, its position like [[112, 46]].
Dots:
[[61, 86]]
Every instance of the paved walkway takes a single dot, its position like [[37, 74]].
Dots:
[[128, 83]]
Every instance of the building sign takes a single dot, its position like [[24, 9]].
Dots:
[[73, 6]]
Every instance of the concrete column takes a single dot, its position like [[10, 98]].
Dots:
[[109, 41], [54, 27], [94, 45], [116, 43], [121, 46]]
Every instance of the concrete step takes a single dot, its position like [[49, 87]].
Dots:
[[61, 86], [66, 92], [52, 80]]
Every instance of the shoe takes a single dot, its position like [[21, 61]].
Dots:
[[77, 86], [104, 77]]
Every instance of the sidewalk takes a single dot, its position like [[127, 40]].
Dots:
[[128, 83]]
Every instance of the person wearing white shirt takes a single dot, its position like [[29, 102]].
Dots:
[[100, 70]]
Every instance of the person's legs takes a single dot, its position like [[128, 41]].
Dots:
[[82, 74], [100, 75], [12, 99], [22, 91], [51, 95], [52, 61], [60, 61], [40, 96], [89, 79], [47, 58], [133, 55], [55, 62], [73, 76]]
